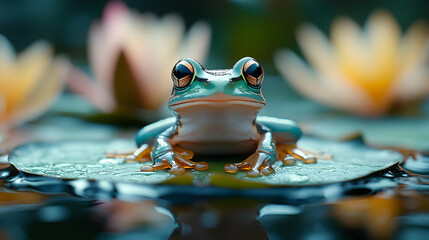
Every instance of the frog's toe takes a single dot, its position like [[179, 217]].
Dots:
[[163, 164], [289, 154], [309, 159], [231, 168], [257, 164], [288, 160], [177, 161], [267, 171], [141, 154]]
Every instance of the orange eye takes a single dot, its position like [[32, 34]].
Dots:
[[253, 73], [182, 74]]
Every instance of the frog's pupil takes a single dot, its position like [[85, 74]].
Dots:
[[254, 70], [181, 71]]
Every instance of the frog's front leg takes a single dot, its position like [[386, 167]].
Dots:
[[166, 156], [286, 134], [144, 139], [259, 163]]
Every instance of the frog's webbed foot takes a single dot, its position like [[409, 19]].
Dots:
[[141, 154], [258, 164], [290, 153], [177, 160]]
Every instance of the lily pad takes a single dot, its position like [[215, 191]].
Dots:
[[398, 133], [351, 160], [72, 160]]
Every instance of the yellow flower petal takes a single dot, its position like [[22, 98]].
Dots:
[[383, 35], [314, 86], [350, 48], [49, 86], [317, 49], [413, 85], [412, 48], [25, 73], [2, 112], [369, 60]]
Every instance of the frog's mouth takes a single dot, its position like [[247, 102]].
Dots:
[[218, 102]]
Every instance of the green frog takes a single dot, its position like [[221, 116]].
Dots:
[[216, 113]]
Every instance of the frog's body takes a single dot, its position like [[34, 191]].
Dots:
[[211, 138], [216, 113]]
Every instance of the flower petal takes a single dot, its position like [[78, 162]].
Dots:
[[96, 93], [412, 86], [49, 86], [152, 70], [2, 110], [317, 49], [197, 42], [170, 31], [126, 91], [383, 35], [411, 49], [315, 87], [349, 45], [101, 54], [28, 69], [414, 83]]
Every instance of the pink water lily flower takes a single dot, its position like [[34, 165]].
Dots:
[[131, 56], [364, 72], [29, 82]]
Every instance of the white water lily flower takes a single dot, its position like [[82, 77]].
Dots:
[[131, 56], [361, 71], [29, 82]]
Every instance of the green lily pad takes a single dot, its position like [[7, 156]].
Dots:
[[351, 160], [72, 160], [398, 133], [408, 134]]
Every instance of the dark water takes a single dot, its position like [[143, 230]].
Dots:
[[393, 204]]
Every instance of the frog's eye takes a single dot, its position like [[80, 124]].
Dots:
[[253, 73], [182, 74]]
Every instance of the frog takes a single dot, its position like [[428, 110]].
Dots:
[[216, 113]]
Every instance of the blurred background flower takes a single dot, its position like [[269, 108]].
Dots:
[[364, 72], [131, 56], [29, 82]]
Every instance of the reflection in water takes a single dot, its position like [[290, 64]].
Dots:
[[403, 213], [378, 215], [121, 216], [221, 219]]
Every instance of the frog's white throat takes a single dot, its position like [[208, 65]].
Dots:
[[216, 125]]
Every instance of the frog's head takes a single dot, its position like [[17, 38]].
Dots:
[[196, 86]]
